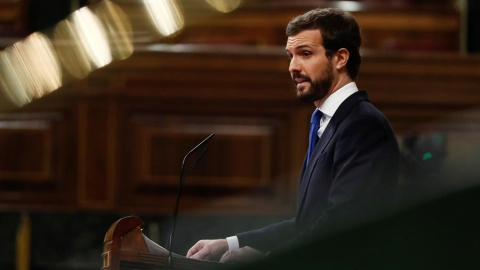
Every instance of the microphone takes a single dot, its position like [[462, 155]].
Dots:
[[183, 174]]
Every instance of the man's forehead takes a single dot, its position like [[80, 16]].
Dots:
[[304, 38]]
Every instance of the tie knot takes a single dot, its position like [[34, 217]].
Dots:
[[316, 116]]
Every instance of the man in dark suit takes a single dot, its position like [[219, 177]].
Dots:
[[351, 172]]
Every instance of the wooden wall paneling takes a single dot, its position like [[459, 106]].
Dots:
[[241, 154], [35, 161], [400, 26], [126, 127], [299, 127], [164, 95], [97, 154], [207, 73], [241, 164], [416, 89], [410, 30]]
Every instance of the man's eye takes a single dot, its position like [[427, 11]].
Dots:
[[306, 53]]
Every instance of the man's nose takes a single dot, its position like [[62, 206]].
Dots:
[[294, 66]]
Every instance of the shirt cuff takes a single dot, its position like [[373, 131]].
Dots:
[[233, 243]]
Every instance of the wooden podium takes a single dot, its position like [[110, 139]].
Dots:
[[126, 247]]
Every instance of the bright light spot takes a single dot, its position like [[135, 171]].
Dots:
[[42, 63], [13, 77], [165, 15], [29, 69], [350, 6], [69, 50], [92, 36], [82, 43], [225, 5], [118, 28], [427, 155]]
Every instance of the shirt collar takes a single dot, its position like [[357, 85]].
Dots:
[[331, 104]]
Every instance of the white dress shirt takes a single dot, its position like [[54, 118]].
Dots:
[[328, 108], [331, 104]]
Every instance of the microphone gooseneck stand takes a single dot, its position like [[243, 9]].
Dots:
[[183, 174]]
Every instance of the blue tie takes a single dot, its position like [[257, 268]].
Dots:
[[313, 137]]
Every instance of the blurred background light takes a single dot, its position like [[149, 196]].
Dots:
[[350, 6], [117, 27], [29, 69], [92, 37], [13, 74], [224, 5], [165, 15], [69, 50], [42, 63], [81, 43]]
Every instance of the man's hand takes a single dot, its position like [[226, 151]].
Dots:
[[208, 250], [241, 255]]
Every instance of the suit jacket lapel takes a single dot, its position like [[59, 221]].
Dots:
[[327, 135], [310, 167]]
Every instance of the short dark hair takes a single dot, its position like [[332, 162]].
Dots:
[[338, 28]]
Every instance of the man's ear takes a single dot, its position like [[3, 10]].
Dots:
[[342, 58]]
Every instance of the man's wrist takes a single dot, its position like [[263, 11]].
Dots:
[[233, 243]]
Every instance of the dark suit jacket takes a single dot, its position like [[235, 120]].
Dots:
[[352, 173]]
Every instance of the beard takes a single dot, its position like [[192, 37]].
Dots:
[[318, 89]]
